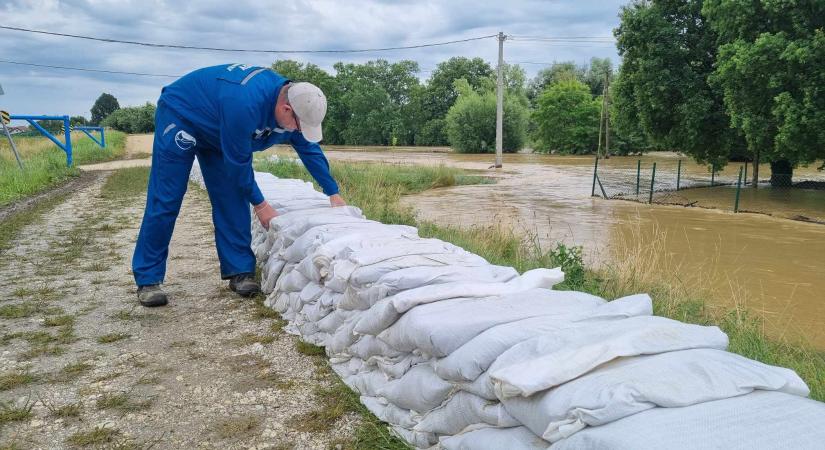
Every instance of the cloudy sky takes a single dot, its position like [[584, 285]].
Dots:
[[281, 25]]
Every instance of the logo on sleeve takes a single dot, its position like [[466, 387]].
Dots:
[[184, 140]]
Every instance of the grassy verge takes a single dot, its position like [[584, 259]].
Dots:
[[45, 164], [377, 189]]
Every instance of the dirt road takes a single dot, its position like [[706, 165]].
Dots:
[[82, 365]]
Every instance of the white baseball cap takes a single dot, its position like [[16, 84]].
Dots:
[[310, 106]]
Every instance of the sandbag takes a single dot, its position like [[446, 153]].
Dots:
[[474, 357], [552, 359], [762, 420], [440, 328], [462, 410], [628, 386], [419, 389], [514, 438]]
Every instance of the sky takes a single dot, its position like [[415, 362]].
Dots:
[[281, 25]]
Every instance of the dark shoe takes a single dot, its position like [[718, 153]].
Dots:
[[152, 295], [244, 285]]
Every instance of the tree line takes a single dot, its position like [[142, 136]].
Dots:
[[384, 103], [726, 80]]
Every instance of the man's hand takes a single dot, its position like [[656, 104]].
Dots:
[[336, 200], [265, 213]]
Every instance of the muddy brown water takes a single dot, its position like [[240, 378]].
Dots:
[[767, 264]]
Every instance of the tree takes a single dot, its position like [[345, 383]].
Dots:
[[78, 121], [557, 72], [440, 94], [335, 122], [668, 54], [104, 105], [567, 118], [132, 119], [770, 72], [471, 121]]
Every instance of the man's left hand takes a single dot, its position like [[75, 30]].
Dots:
[[336, 200]]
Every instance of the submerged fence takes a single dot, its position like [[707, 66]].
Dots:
[[677, 181]]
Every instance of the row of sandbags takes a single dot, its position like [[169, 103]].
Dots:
[[455, 353]]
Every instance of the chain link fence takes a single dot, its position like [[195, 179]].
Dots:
[[677, 181]]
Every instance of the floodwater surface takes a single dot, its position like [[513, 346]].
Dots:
[[767, 264]]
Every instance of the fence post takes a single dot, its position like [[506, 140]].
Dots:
[[745, 177], [638, 177], [738, 188], [678, 174], [11, 144], [67, 134], [712, 176], [652, 178], [102, 137], [595, 169]]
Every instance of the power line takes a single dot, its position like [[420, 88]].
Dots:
[[81, 69], [217, 49], [563, 38]]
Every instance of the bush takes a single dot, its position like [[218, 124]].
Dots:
[[471, 122], [132, 119], [567, 118]]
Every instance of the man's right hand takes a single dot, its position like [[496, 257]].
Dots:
[[265, 213]]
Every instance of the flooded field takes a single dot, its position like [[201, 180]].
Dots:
[[770, 265]]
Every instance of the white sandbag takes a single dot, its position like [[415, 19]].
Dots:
[[307, 242], [387, 311], [466, 363], [291, 281], [369, 346], [420, 389], [439, 328], [367, 383], [462, 410], [515, 438], [552, 359], [628, 386], [334, 320], [414, 277], [762, 420], [363, 275], [418, 439], [388, 412], [397, 367]]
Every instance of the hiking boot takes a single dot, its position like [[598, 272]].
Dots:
[[151, 295], [244, 284]]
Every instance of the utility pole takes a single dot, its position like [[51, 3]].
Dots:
[[755, 182], [500, 100], [607, 115]]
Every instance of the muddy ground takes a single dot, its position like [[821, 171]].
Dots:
[[83, 365]]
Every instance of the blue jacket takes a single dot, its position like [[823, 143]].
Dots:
[[232, 107]]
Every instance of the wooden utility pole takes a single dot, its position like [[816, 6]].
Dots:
[[500, 101], [755, 182]]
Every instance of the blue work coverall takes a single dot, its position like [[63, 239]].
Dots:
[[221, 114]]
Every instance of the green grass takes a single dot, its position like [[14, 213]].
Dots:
[[16, 378], [126, 183], [11, 413], [45, 164], [96, 437], [376, 189]]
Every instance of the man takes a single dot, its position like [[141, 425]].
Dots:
[[222, 114]]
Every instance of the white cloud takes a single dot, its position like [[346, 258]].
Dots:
[[297, 24]]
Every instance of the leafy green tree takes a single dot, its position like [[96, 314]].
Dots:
[[78, 121], [104, 105], [559, 71], [335, 121], [132, 119], [770, 72], [471, 121], [668, 53], [567, 118], [440, 94]]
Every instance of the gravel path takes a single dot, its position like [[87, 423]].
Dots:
[[83, 365]]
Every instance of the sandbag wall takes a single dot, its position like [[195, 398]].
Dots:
[[456, 353]]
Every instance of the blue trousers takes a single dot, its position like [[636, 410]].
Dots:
[[175, 147]]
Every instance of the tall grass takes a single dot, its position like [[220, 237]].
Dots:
[[45, 164], [377, 190]]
